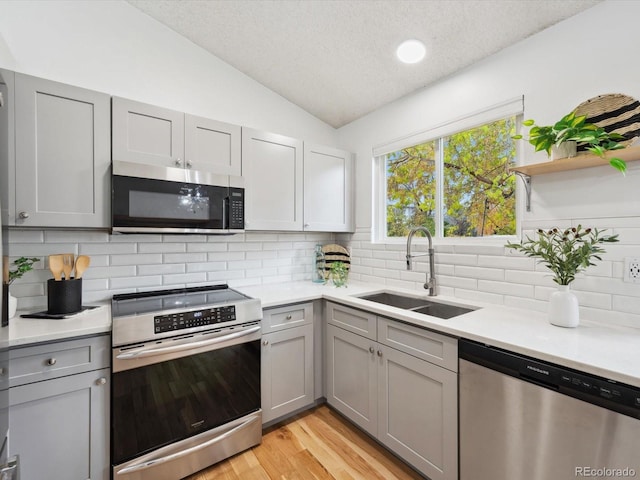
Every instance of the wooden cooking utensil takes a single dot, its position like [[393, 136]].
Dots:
[[56, 266], [68, 260], [82, 263]]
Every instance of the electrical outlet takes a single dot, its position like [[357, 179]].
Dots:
[[632, 269]]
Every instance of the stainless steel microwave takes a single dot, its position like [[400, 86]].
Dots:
[[153, 199]]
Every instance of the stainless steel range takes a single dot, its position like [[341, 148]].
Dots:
[[186, 380]]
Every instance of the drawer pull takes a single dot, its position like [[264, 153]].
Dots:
[[288, 317], [379, 353], [371, 350], [265, 342], [3, 371], [101, 381], [51, 362]]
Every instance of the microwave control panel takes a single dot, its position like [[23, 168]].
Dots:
[[236, 209], [196, 318]]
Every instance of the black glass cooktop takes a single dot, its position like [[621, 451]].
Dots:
[[182, 298]]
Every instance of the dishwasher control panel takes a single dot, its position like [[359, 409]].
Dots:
[[584, 386]]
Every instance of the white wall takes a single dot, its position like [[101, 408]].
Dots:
[[110, 46], [556, 70]]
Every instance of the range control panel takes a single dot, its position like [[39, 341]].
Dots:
[[196, 318]]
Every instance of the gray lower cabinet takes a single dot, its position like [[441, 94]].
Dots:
[[59, 410], [407, 402], [287, 375], [62, 155]]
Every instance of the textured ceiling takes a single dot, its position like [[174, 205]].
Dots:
[[336, 58]]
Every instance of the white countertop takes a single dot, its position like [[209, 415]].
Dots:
[[26, 331], [609, 351]]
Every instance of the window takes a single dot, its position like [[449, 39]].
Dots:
[[457, 185]]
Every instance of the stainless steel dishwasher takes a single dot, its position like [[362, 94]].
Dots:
[[524, 419]]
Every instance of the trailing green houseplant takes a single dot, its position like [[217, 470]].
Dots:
[[575, 128], [565, 252], [23, 265]]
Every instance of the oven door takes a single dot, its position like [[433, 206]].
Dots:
[[175, 397], [148, 199]]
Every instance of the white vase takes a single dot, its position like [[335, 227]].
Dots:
[[13, 306], [564, 150], [563, 308]]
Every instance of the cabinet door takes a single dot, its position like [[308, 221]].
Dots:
[[62, 156], [7, 148], [272, 171], [145, 133], [418, 404], [352, 377], [212, 146], [328, 189], [60, 428], [287, 371]]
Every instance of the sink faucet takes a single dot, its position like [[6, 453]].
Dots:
[[431, 279]]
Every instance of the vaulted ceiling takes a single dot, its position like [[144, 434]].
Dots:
[[336, 58]]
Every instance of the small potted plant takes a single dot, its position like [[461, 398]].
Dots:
[[576, 131], [565, 252], [339, 273], [22, 266]]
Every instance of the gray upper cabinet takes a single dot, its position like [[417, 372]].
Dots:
[[328, 189], [295, 186], [212, 146], [144, 133], [272, 171], [62, 155]]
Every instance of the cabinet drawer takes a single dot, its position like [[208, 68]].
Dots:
[[427, 345], [355, 321], [275, 319], [52, 360]]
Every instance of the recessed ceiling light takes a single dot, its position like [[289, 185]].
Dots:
[[411, 51]]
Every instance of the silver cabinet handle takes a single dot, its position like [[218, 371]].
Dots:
[[2, 371], [177, 162], [23, 215], [187, 346], [265, 342], [371, 350], [288, 317], [189, 164], [51, 361], [173, 456], [379, 353], [101, 381]]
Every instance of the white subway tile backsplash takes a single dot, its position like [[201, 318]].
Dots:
[[225, 256], [75, 236], [110, 272], [184, 257], [135, 282], [106, 248], [206, 267], [457, 282], [529, 303], [511, 263], [627, 304], [41, 249], [479, 272], [161, 269], [27, 236], [162, 247], [206, 247], [506, 288], [456, 259], [184, 278], [477, 296], [133, 259]]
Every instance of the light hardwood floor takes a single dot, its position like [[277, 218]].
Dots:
[[317, 444]]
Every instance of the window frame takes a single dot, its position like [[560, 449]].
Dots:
[[513, 107]]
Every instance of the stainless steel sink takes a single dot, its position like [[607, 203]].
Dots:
[[394, 300], [418, 305], [442, 310]]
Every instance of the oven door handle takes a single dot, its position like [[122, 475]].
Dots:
[[156, 461], [185, 346]]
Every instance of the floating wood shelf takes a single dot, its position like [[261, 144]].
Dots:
[[583, 160]]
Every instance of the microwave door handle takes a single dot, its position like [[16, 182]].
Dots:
[[185, 346], [156, 461]]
